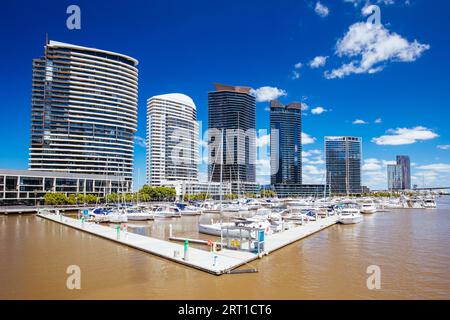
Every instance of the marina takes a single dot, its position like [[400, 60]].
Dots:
[[214, 262]]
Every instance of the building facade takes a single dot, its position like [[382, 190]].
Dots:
[[285, 190], [285, 143], [84, 111], [27, 187], [231, 134], [395, 177], [172, 139], [343, 156], [405, 164]]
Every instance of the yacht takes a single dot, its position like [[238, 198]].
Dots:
[[217, 229], [416, 203], [138, 214], [188, 210], [429, 203], [349, 213], [368, 206], [166, 212], [101, 214]]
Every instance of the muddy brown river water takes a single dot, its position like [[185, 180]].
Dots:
[[411, 247]]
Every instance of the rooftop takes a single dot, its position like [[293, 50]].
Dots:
[[68, 45]]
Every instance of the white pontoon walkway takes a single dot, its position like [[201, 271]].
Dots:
[[226, 260]]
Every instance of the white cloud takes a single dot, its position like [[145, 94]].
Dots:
[[321, 9], [318, 110], [296, 71], [295, 75], [140, 141], [401, 136], [378, 120], [305, 106], [359, 121], [374, 173], [444, 147], [311, 152], [386, 2], [263, 140], [262, 167], [436, 167], [318, 62], [314, 170], [265, 94], [371, 47], [307, 139], [371, 164]]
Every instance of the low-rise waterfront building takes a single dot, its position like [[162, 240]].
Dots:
[[212, 188], [285, 190], [28, 187]]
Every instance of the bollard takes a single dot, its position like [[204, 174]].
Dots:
[[118, 232], [82, 222], [215, 261], [186, 247]]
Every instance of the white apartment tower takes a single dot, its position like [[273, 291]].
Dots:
[[84, 111], [172, 139]]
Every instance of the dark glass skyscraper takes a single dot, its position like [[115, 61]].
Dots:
[[405, 164], [395, 177], [343, 163], [232, 114], [286, 143]]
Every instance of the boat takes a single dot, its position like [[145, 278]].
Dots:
[[189, 210], [299, 204], [349, 213], [429, 203], [101, 214], [299, 215], [222, 228], [416, 203], [166, 212], [138, 214], [368, 207]]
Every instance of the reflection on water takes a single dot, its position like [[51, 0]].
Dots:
[[410, 246]]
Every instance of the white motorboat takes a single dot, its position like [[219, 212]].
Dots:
[[368, 206], [107, 215], [299, 204], [138, 214], [166, 212], [188, 210], [349, 213], [227, 228], [299, 215], [429, 203], [416, 203]]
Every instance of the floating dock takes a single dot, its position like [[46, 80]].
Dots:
[[217, 263]]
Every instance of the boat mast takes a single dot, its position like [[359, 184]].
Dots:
[[221, 169]]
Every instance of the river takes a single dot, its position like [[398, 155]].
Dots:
[[411, 248]]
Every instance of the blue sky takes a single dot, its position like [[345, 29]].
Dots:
[[320, 53]]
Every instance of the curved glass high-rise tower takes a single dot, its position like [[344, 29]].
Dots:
[[172, 139], [84, 111]]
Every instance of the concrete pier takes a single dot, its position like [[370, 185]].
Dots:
[[217, 263]]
